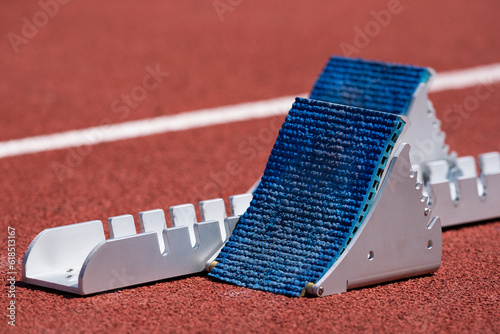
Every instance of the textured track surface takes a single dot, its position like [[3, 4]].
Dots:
[[91, 52], [318, 185], [368, 84]]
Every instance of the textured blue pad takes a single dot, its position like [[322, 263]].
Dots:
[[369, 84], [319, 184]]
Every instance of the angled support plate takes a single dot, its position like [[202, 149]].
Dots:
[[398, 239]]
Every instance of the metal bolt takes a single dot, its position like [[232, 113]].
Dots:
[[427, 211], [309, 289], [320, 291], [212, 265]]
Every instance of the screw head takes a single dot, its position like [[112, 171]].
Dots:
[[427, 211], [320, 291], [212, 265]]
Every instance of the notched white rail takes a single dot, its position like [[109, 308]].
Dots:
[[458, 194], [78, 259]]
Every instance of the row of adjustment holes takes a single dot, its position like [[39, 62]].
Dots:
[[426, 211], [371, 254]]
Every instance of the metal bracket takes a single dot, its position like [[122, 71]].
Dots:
[[457, 194], [78, 259], [398, 239], [425, 137]]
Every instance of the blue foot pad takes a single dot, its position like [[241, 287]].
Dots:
[[319, 184], [369, 84]]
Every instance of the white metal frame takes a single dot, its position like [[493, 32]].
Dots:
[[78, 259]]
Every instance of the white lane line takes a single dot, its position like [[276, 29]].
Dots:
[[207, 117], [147, 127], [480, 75]]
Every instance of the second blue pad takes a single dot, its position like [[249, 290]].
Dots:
[[369, 84], [319, 184]]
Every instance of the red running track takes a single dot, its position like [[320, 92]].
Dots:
[[90, 53]]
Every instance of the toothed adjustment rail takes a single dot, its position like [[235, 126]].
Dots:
[[78, 259]]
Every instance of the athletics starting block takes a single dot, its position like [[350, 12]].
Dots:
[[455, 191], [356, 190]]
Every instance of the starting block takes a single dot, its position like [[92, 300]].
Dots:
[[355, 192], [456, 193], [392, 88], [338, 207]]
